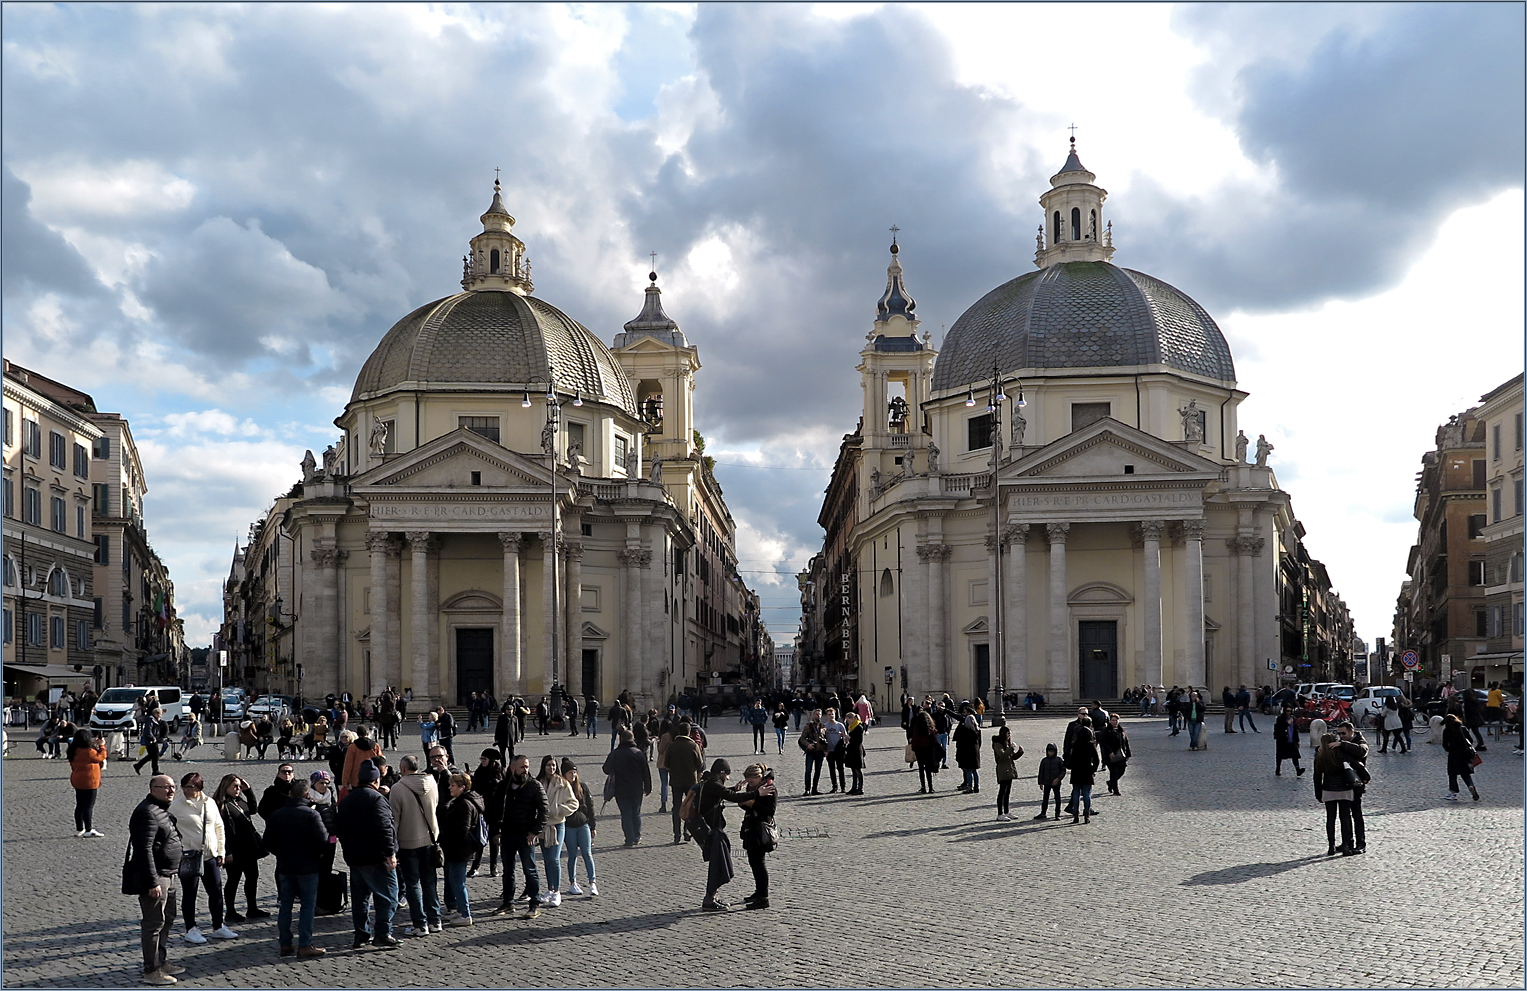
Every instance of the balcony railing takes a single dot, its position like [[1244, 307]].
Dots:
[[965, 483], [901, 440]]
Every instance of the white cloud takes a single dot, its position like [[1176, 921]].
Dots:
[[80, 190]]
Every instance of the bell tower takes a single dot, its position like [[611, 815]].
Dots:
[[896, 372], [498, 259], [1074, 229]]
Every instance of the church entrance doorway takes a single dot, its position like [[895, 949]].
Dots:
[[474, 662], [981, 653], [1099, 643], [589, 685]]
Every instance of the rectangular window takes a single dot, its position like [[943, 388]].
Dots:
[[102, 549], [1479, 473], [102, 499], [1476, 572], [32, 436], [58, 450], [1481, 627], [1518, 432], [1494, 621], [103, 447], [31, 506], [1516, 619], [483, 426], [81, 634], [58, 515], [979, 432], [79, 521], [10, 499], [1495, 502], [620, 451], [1085, 413], [1495, 442], [1516, 497], [100, 615], [127, 502], [34, 629], [9, 428], [8, 619], [81, 461], [1476, 525]]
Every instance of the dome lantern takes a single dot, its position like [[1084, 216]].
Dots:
[[1074, 229], [497, 259], [896, 311]]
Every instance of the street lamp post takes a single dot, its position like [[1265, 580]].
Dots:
[[996, 398], [553, 428]]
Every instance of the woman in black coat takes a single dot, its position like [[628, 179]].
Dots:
[[1460, 756], [967, 754], [853, 753], [1083, 764], [234, 798], [1286, 740], [1113, 744], [758, 802], [925, 746]]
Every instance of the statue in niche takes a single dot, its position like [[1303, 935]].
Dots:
[[657, 470], [377, 442], [309, 466], [875, 487], [1241, 443], [1192, 429], [549, 438], [329, 458], [1019, 426], [574, 451], [932, 458], [1264, 448], [633, 464]]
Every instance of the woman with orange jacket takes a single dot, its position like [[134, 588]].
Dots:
[[87, 754]]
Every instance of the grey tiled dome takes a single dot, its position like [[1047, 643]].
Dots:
[[1081, 315], [493, 338]]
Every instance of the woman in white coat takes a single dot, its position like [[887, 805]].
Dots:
[[203, 844], [561, 802]]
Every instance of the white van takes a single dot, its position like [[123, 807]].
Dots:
[[117, 707]]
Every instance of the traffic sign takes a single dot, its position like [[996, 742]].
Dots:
[[1410, 659]]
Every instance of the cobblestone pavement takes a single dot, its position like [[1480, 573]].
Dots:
[[1208, 871]]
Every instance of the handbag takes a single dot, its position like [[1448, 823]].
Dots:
[[1476, 760], [768, 835], [437, 855], [909, 756], [130, 884], [1117, 757]]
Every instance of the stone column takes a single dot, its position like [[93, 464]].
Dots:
[[325, 666], [418, 546], [914, 632], [1059, 654], [573, 555], [393, 674], [936, 555], [1015, 611], [549, 619], [511, 662], [438, 690], [1150, 532], [377, 544], [1193, 591], [1249, 608], [635, 559]]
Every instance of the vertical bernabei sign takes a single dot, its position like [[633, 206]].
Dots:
[[845, 597]]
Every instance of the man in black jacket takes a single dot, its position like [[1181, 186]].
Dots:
[[520, 809], [1074, 728], [152, 873], [445, 730], [274, 798], [370, 839], [1355, 750], [631, 780], [297, 838]]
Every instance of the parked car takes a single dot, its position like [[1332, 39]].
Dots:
[[235, 701], [116, 709], [1370, 701], [1438, 707], [274, 707]]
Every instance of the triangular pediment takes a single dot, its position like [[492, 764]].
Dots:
[[448, 462], [592, 632], [975, 626], [1107, 448]]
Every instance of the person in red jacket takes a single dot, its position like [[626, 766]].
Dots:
[[87, 755]]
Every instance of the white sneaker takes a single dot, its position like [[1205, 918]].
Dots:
[[79, 833], [1002, 817], [593, 890], [553, 899], [193, 935], [223, 932], [438, 927], [575, 890], [1451, 796], [448, 915], [412, 932], [94, 833]]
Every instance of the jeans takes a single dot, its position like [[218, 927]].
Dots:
[[779, 737], [835, 772], [1085, 792], [551, 858], [516, 846], [797, 715], [943, 742], [591, 725], [1044, 803], [158, 917], [419, 880], [381, 885], [1452, 781], [1245, 718], [84, 808], [972, 778], [614, 737], [299, 887], [1344, 809], [1004, 789], [1195, 730], [758, 737], [662, 779], [247, 868], [450, 752], [193, 869], [813, 772], [456, 887], [630, 817], [1359, 831], [579, 842]]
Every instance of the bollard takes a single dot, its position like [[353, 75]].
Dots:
[[231, 746], [1434, 730], [1317, 730]]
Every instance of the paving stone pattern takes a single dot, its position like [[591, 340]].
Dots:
[[1208, 871]]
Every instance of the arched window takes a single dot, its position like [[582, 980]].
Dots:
[[493, 261], [1055, 236], [1076, 224], [1092, 226], [887, 583], [10, 571], [58, 583]]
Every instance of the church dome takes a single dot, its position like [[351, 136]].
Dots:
[[1081, 314], [493, 339]]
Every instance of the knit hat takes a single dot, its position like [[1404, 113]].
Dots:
[[318, 776], [568, 765], [368, 773], [492, 754], [720, 767]]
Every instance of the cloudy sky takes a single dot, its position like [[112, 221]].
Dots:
[[212, 214]]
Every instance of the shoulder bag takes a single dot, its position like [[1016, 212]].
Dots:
[[437, 855], [768, 835], [130, 884]]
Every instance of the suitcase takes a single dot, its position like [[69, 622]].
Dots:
[[333, 891]]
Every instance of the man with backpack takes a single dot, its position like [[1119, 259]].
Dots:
[[684, 762]]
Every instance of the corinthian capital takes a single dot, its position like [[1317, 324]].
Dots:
[[418, 540], [634, 558], [1015, 533], [511, 542], [378, 541], [1057, 532], [328, 557], [1193, 529], [1152, 529]]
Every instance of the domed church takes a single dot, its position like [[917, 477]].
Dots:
[[512, 507], [1060, 501]]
